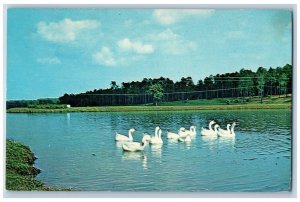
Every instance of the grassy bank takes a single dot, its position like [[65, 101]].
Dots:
[[215, 104], [152, 108], [20, 171]]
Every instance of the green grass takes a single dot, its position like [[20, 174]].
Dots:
[[48, 106], [215, 104], [231, 101], [20, 171]]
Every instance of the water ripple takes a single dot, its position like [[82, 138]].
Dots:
[[79, 151]]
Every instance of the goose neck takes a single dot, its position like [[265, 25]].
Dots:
[[216, 128], [232, 128], [156, 131], [228, 127], [130, 135], [159, 134]]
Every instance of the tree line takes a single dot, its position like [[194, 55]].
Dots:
[[28, 103], [245, 83]]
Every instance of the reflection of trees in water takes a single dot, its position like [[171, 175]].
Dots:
[[120, 122], [264, 120], [251, 120]]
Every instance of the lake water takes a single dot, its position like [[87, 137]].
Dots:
[[78, 150]]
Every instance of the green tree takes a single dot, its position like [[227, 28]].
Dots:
[[200, 85], [246, 83], [261, 80], [208, 85], [282, 83], [113, 85], [272, 81], [156, 90], [288, 69]]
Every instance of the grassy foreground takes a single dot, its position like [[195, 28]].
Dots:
[[20, 171], [215, 104]]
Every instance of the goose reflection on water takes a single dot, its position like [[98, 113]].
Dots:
[[213, 142], [226, 141], [156, 150], [185, 145], [210, 141], [172, 142], [136, 156]]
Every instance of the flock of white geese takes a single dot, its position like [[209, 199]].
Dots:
[[183, 135]]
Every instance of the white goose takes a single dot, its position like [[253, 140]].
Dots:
[[210, 132], [124, 138], [222, 132], [175, 136], [155, 134], [192, 131], [136, 146], [227, 133], [205, 131], [186, 138], [157, 138], [147, 135], [232, 129]]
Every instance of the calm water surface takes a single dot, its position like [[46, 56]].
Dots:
[[78, 150]]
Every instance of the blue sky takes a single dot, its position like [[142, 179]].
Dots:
[[55, 51]]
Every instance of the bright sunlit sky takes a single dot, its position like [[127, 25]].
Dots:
[[55, 51]]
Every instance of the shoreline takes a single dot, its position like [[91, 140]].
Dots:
[[20, 170], [152, 108]]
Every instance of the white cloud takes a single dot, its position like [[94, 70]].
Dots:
[[172, 43], [167, 34], [49, 60], [171, 16], [105, 57], [66, 30], [137, 47]]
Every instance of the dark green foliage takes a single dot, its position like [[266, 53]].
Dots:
[[156, 90], [273, 102], [245, 83], [48, 106], [19, 169], [20, 103], [261, 80], [27, 103], [17, 182]]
